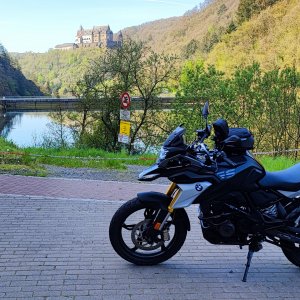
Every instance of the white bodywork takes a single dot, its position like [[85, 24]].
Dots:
[[290, 194], [189, 192]]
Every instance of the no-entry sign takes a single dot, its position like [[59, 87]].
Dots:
[[125, 100]]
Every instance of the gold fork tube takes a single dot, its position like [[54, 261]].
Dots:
[[171, 189], [170, 192]]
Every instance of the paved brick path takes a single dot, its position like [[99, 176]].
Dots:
[[73, 188], [58, 248]]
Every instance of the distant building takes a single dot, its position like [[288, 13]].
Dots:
[[98, 36], [66, 46]]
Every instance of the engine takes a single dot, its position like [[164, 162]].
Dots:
[[221, 221]]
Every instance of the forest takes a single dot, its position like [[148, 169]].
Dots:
[[12, 80]]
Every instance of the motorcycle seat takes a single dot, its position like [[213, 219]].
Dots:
[[286, 180]]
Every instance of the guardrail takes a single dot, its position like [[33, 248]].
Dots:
[[30, 103]]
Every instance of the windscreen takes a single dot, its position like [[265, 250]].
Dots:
[[176, 138]]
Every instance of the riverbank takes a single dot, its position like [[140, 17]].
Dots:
[[92, 164]]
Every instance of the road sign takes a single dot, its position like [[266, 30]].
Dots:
[[125, 100], [125, 127], [123, 139], [125, 114]]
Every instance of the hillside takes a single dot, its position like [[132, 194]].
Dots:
[[56, 71], [272, 38], [213, 32], [12, 81], [191, 33]]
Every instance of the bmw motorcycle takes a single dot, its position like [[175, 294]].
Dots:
[[239, 202]]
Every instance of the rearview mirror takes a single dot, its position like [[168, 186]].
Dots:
[[205, 111]]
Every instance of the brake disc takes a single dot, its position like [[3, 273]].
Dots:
[[140, 240]]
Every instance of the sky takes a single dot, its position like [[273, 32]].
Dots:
[[38, 25]]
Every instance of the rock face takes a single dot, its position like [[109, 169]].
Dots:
[[12, 80]]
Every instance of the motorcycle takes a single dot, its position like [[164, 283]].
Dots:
[[239, 202]]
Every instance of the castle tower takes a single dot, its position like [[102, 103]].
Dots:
[[79, 35], [120, 38]]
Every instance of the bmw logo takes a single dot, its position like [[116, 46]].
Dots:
[[198, 187]]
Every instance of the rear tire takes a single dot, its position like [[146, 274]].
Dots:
[[135, 254], [290, 249], [291, 252]]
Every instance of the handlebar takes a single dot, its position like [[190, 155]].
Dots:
[[211, 156]]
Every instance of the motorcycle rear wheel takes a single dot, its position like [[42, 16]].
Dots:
[[292, 250], [141, 248]]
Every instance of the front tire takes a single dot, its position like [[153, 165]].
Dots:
[[138, 247]]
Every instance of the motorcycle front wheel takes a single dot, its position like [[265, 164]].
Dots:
[[133, 237]]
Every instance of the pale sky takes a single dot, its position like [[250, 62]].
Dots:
[[37, 25]]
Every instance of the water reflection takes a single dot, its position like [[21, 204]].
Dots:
[[28, 128]]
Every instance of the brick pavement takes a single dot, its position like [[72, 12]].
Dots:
[[58, 248], [73, 188]]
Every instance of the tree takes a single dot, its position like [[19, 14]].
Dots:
[[85, 90], [134, 68], [265, 102], [248, 8]]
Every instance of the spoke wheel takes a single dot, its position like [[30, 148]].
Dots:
[[133, 237]]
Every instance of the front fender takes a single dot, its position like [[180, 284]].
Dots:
[[162, 201]]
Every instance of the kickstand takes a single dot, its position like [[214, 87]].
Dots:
[[254, 246]]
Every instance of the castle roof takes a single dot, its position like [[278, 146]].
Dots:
[[101, 28], [65, 45]]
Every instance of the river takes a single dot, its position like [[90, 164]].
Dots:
[[27, 129]]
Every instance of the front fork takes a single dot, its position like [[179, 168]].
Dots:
[[173, 191]]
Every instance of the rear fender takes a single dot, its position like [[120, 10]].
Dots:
[[162, 201]]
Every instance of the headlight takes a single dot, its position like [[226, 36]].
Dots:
[[162, 154]]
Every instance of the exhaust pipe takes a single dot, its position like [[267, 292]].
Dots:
[[284, 236]]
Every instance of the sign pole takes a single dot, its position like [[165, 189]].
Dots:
[[124, 133]]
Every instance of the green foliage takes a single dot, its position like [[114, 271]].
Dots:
[[134, 68], [270, 38], [89, 158], [190, 49], [12, 81], [248, 8], [231, 27], [57, 71], [26, 161], [212, 37], [16, 161], [249, 95]]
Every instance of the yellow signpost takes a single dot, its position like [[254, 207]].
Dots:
[[124, 128]]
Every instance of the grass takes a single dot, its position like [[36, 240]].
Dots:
[[30, 161], [276, 163], [13, 156], [89, 158], [21, 169]]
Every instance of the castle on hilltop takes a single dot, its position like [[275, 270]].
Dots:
[[98, 36]]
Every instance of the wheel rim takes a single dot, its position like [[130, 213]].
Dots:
[[138, 238]]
